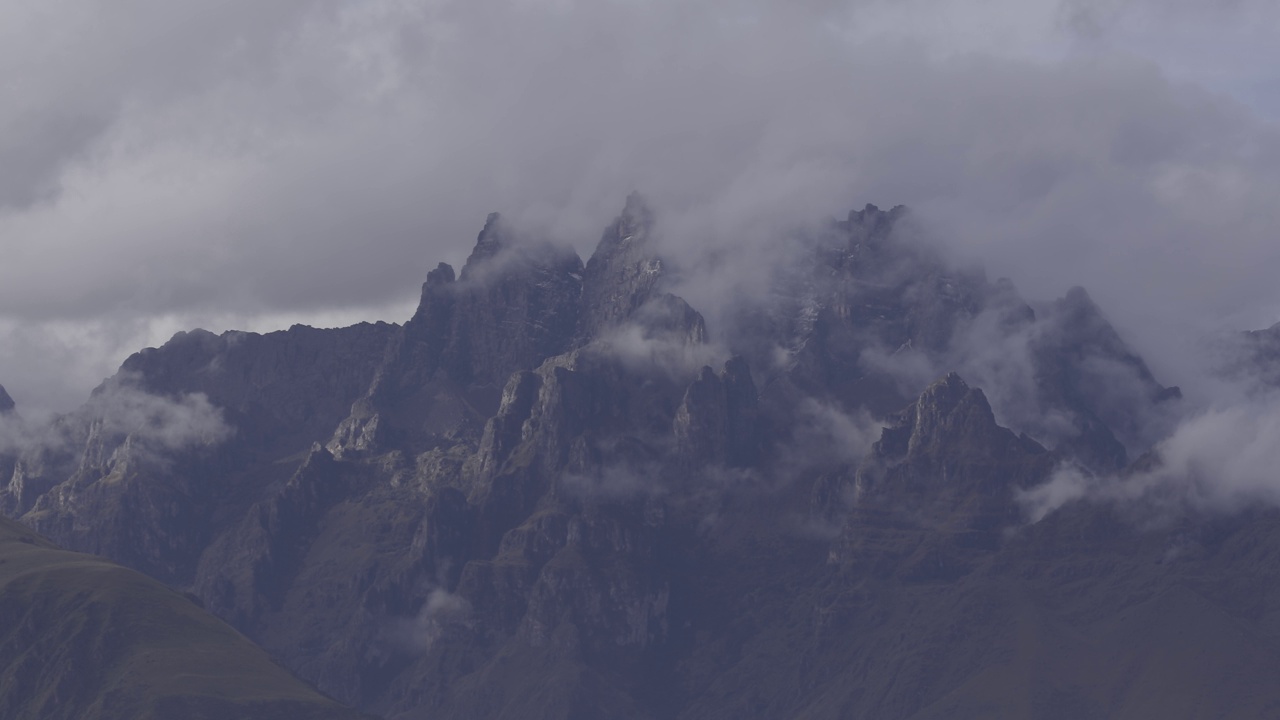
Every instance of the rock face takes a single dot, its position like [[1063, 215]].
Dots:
[[548, 495], [938, 487], [185, 438], [623, 274], [718, 419], [513, 306], [1082, 364]]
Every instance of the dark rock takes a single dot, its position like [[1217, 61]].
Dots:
[[514, 305], [623, 275], [717, 419]]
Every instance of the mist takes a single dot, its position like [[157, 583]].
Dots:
[[246, 166], [155, 427]]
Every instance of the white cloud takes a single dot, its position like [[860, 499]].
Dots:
[[1220, 460]]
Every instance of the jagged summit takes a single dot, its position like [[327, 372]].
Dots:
[[489, 243], [636, 218], [1255, 356], [623, 274], [1084, 366], [948, 392], [951, 417], [6, 402], [872, 222]]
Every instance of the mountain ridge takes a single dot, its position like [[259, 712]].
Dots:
[[549, 495]]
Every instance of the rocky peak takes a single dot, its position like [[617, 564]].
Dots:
[[938, 490], [6, 402], [636, 218], [1081, 323], [872, 223], [624, 272], [491, 242], [861, 303], [437, 279], [515, 304], [1081, 330], [1083, 366], [950, 426], [1256, 355], [947, 411]]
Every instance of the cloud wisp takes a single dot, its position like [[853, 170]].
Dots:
[[155, 428], [1220, 460]]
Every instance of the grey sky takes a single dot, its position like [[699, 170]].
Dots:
[[252, 164]]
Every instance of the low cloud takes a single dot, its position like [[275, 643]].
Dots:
[[156, 427], [826, 435], [166, 424], [1217, 461], [617, 481], [673, 353], [441, 611]]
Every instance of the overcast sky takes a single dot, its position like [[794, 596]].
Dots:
[[249, 164]]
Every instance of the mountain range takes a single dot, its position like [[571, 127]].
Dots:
[[557, 492]]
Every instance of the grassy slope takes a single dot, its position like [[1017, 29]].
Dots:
[[82, 638]]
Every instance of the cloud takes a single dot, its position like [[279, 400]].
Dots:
[[441, 611], [1217, 461], [164, 424], [674, 354], [154, 427], [825, 434], [162, 163], [616, 481]]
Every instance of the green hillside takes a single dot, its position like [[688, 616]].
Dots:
[[84, 639]]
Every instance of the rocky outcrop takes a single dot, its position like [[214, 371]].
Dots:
[[717, 421], [623, 274], [939, 486]]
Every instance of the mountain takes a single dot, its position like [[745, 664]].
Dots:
[[554, 492], [85, 638]]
